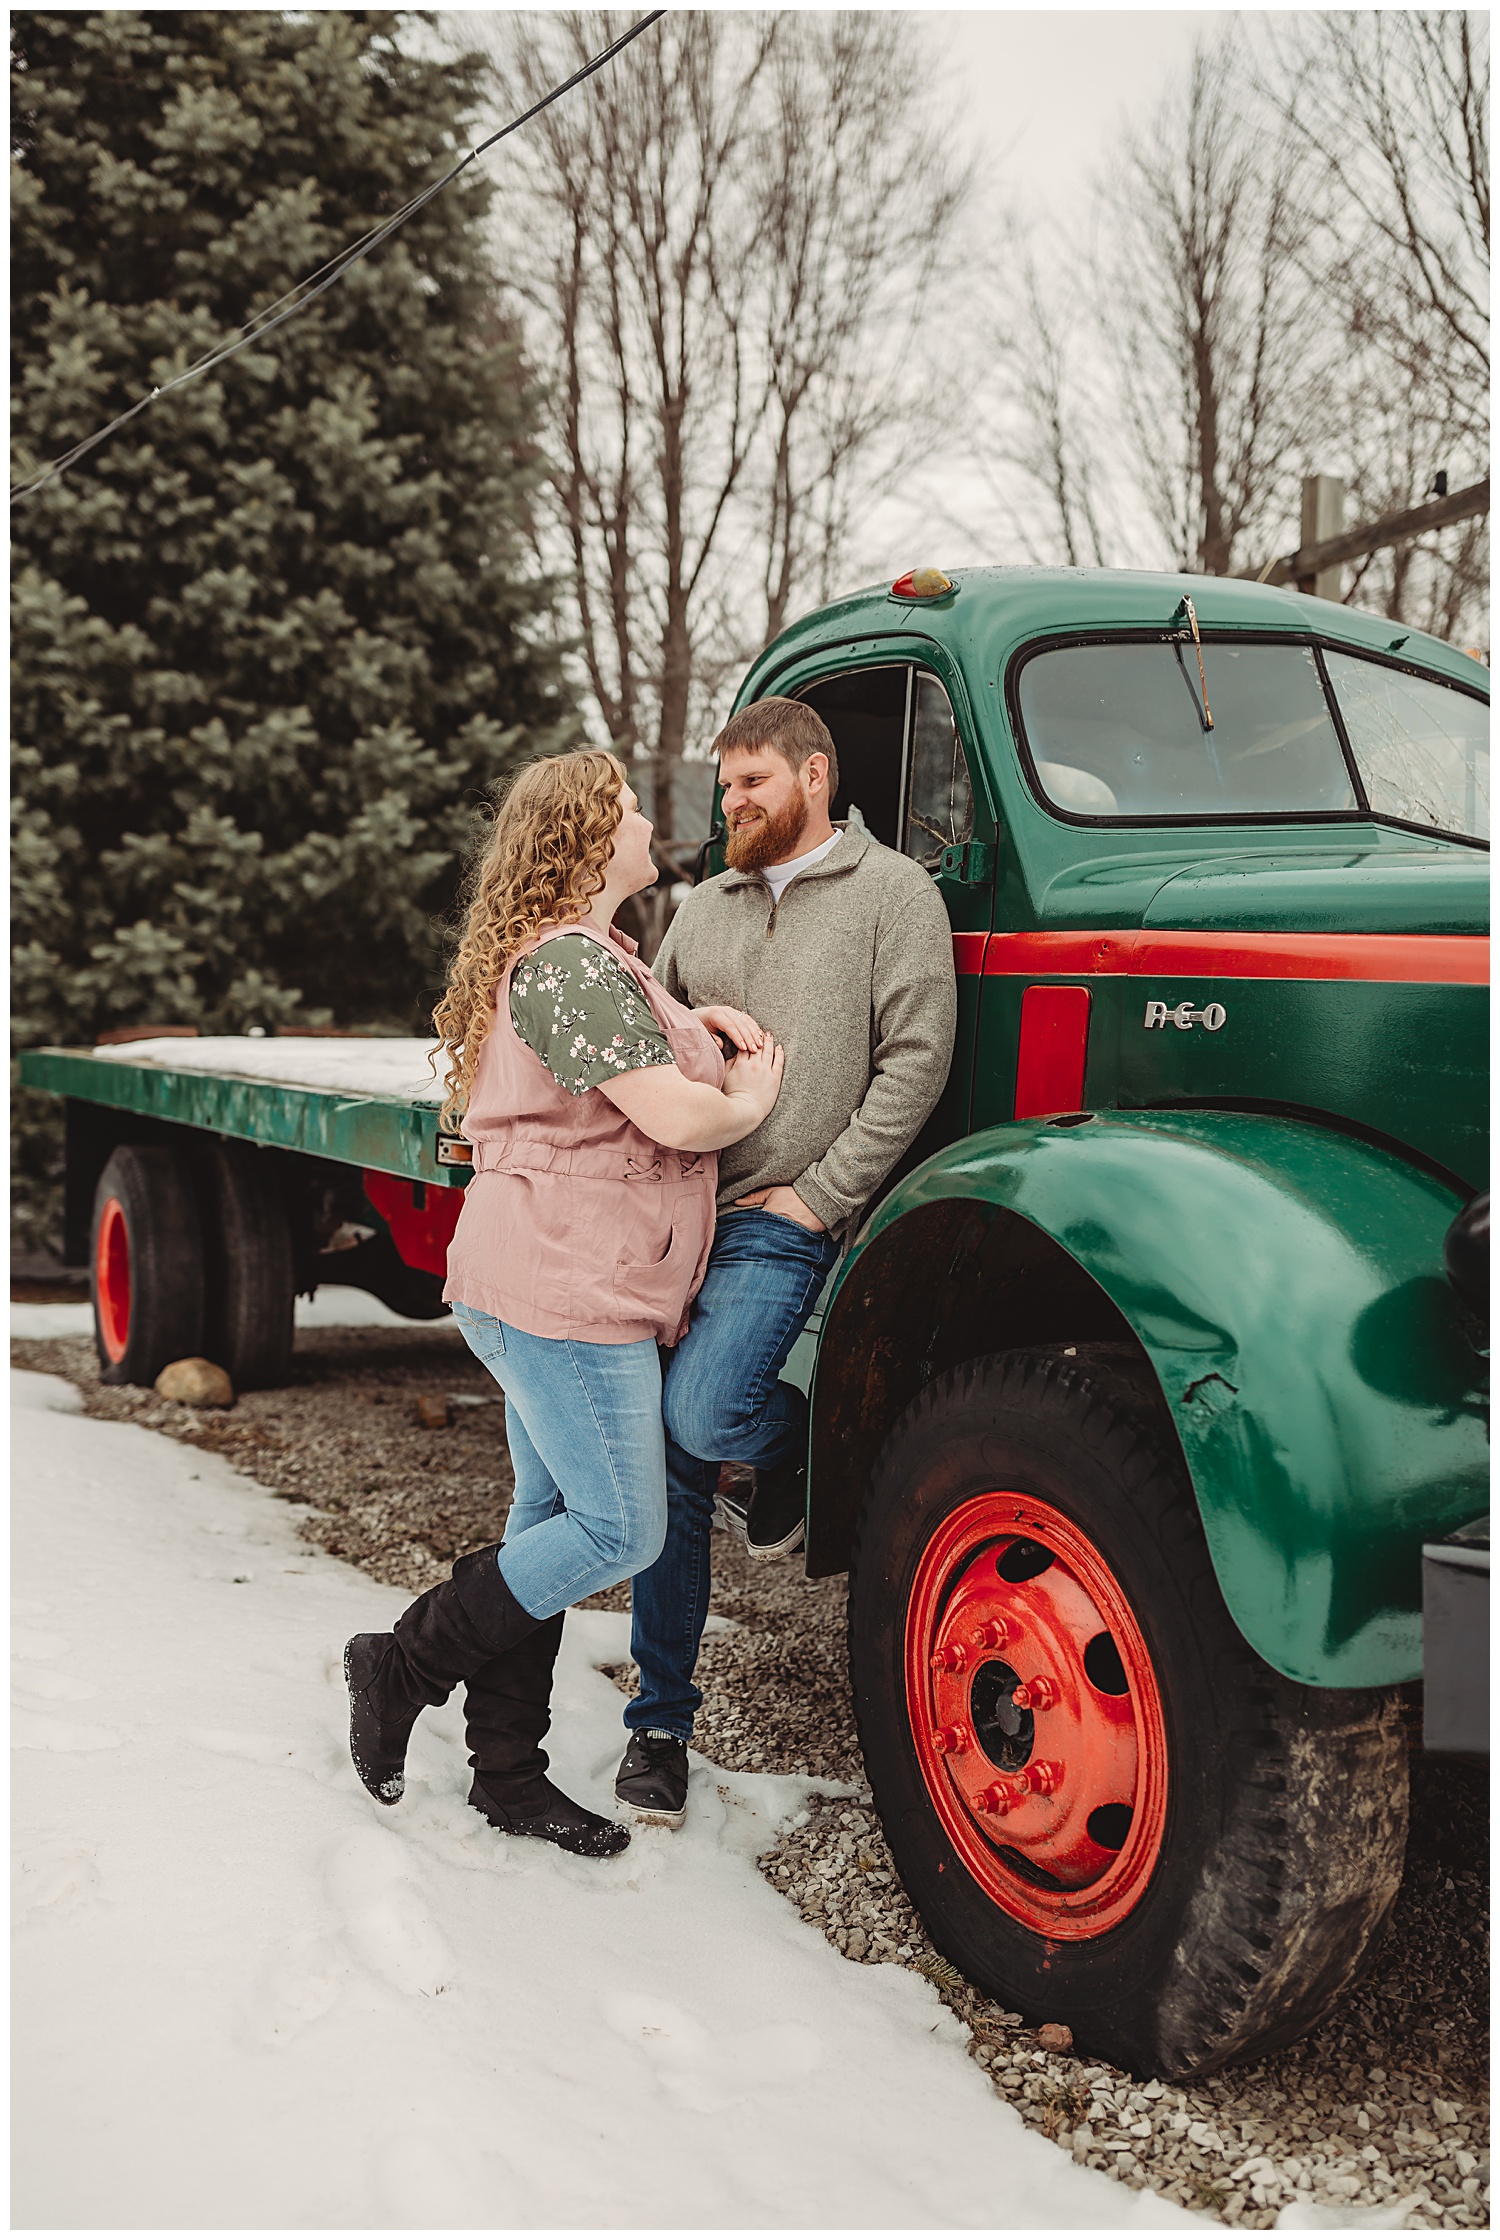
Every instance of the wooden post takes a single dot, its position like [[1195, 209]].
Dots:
[[1309, 563], [1322, 519]]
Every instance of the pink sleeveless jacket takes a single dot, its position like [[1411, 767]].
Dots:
[[575, 1224]]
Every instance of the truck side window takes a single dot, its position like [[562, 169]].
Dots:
[[940, 810], [1423, 750], [866, 712]]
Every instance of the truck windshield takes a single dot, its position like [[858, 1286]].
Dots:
[[1119, 731], [1423, 750]]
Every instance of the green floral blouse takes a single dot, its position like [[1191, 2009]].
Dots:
[[577, 1007]]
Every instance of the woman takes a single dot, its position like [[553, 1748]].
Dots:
[[596, 1105]]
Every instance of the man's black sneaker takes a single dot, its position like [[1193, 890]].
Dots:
[[775, 1522], [653, 1779], [731, 1504]]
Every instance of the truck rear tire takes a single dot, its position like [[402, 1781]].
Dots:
[[1163, 1843], [145, 1264], [251, 1271]]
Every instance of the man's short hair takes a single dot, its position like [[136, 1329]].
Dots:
[[788, 727]]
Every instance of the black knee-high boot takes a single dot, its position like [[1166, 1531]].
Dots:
[[438, 1640], [507, 1708]]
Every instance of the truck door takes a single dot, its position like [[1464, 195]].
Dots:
[[906, 774]]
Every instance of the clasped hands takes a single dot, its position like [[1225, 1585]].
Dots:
[[747, 1037]]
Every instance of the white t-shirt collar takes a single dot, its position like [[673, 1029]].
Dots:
[[779, 876]]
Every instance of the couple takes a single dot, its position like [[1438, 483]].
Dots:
[[598, 1102]]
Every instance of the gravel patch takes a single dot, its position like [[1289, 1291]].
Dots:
[[1383, 2109], [1360, 2115]]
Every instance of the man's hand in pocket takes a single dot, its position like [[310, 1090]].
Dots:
[[782, 1198]]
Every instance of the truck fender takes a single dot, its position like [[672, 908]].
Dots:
[[1284, 1283]]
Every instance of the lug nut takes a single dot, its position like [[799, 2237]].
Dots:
[[998, 1798], [1041, 1779], [993, 1634], [1034, 1695], [951, 1741], [954, 1657]]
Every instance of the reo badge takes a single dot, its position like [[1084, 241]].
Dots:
[[1183, 1016]]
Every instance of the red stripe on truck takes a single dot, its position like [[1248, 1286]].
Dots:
[[1446, 959]]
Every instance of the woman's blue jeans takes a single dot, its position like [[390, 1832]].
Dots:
[[587, 1445], [724, 1401]]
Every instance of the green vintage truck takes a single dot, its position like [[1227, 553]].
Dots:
[[1161, 1360]]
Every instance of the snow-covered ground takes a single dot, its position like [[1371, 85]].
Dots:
[[245, 1996], [334, 1306]]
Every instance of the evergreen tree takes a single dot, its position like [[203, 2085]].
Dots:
[[274, 639]]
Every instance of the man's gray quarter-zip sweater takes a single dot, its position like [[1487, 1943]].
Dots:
[[852, 972]]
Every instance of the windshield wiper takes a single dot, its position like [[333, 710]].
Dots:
[[1187, 608]]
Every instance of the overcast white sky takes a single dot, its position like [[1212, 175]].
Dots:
[[1041, 96], [1044, 90]]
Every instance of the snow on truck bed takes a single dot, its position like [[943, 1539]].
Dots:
[[375, 1066], [244, 1996]]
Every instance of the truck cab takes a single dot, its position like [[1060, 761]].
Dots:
[[1037, 738]]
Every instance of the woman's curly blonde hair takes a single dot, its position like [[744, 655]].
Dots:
[[547, 857]]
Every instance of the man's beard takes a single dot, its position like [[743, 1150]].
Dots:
[[764, 839]]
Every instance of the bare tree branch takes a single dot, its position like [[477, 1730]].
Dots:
[[724, 256], [1204, 298], [1391, 111]]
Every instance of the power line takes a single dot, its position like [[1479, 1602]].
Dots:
[[319, 282]]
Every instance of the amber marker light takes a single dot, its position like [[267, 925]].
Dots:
[[921, 583]]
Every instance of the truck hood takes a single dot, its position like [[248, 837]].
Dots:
[[1437, 889]]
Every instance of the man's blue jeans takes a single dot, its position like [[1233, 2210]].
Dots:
[[723, 1401], [584, 1424]]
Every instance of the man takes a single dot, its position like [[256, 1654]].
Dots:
[[840, 949]]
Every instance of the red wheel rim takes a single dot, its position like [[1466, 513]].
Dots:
[[1036, 1716], [112, 1280]]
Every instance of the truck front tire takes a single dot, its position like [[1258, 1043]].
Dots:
[[145, 1264], [1107, 1809]]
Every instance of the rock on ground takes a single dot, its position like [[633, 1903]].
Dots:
[[195, 1382]]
